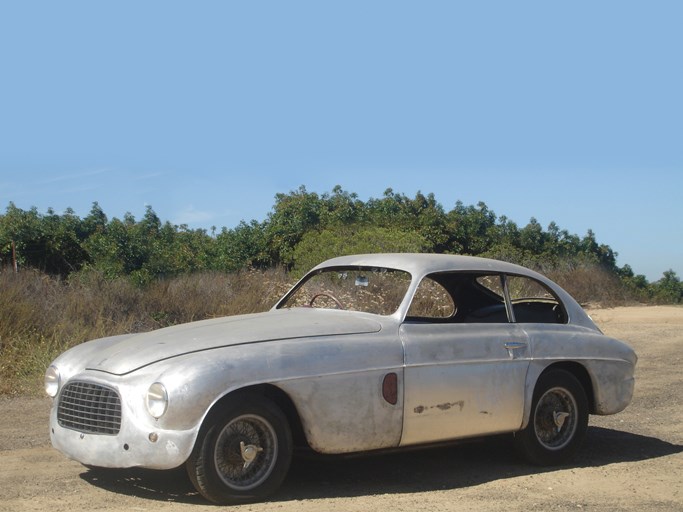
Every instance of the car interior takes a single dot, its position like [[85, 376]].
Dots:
[[458, 297]]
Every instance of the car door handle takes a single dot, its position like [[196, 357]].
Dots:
[[514, 345]]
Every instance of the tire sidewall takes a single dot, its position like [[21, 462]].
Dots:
[[202, 466], [527, 442]]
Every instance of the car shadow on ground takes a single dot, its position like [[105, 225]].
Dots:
[[429, 469]]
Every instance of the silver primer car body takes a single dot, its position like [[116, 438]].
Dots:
[[365, 353]]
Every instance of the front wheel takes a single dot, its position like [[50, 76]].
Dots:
[[558, 422], [243, 453]]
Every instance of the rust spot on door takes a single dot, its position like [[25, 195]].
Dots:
[[442, 407]]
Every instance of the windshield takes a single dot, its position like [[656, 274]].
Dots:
[[369, 289]]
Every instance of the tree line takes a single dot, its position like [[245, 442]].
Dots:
[[302, 229]]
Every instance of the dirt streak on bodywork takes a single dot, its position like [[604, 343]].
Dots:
[[442, 407]]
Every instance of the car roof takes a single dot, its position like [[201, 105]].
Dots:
[[421, 264]]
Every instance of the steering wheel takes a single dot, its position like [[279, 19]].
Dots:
[[329, 296]]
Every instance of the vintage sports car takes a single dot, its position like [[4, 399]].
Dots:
[[366, 352]]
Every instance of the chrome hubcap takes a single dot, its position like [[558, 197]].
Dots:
[[249, 453], [559, 418]]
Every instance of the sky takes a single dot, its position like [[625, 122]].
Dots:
[[569, 112]]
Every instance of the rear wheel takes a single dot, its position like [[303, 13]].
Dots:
[[558, 422], [243, 453]]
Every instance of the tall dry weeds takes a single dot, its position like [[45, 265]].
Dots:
[[41, 316], [593, 285]]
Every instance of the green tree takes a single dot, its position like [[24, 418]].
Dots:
[[293, 215], [317, 246], [668, 289], [51, 242], [302, 228], [532, 238], [471, 228], [421, 213], [341, 208], [244, 246]]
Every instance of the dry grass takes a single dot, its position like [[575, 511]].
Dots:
[[41, 316], [594, 286]]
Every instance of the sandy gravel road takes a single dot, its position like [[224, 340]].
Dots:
[[630, 461]]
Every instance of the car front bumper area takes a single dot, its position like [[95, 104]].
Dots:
[[135, 442]]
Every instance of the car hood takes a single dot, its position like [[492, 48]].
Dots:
[[124, 354]]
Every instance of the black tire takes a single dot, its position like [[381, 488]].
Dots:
[[558, 422], [242, 453]]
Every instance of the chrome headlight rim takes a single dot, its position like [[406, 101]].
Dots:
[[52, 381], [156, 400]]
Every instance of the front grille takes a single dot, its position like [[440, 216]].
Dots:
[[89, 408]]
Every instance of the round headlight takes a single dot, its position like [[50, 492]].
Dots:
[[157, 400], [52, 381]]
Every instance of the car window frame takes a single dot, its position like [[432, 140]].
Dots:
[[507, 300], [280, 304]]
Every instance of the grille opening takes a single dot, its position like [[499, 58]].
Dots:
[[89, 408]]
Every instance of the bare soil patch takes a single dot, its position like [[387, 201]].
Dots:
[[630, 461]]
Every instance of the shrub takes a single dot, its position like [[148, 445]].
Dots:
[[592, 284]]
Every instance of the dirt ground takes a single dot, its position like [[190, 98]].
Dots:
[[630, 461]]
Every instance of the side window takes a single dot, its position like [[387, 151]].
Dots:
[[533, 303], [485, 300], [492, 284], [431, 301]]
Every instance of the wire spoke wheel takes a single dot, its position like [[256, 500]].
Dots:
[[555, 418], [243, 451], [246, 451], [558, 421]]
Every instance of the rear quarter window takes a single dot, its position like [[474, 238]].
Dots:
[[532, 302]]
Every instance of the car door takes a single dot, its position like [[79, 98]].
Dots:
[[464, 376]]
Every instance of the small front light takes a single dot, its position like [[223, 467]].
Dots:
[[52, 381], [157, 400]]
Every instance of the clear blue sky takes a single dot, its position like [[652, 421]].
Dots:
[[565, 111]]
